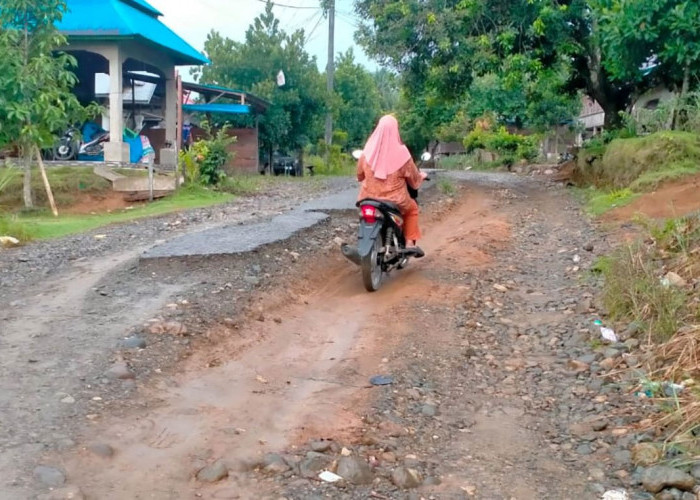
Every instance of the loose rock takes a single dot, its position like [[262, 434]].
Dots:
[[134, 342], [405, 478], [655, 479], [645, 454], [120, 371], [275, 463], [354, 470], [313, 464], [213, 473], [50, 476], [320, 446], [102, 450]]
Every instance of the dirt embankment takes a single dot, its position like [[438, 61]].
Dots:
[[672, 199]]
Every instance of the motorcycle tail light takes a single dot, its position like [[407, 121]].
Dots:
[[368, 213]]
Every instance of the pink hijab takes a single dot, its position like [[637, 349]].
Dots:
[[384, 150]]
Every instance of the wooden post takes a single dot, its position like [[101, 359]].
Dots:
[[150, 178], [49, 193]]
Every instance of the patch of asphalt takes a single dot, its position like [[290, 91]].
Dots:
[[233, 239]]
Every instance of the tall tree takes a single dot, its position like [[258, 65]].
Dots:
[[36, 102], [388, 85], [663, 34], [447, 45], [359, 103], [296, 116]]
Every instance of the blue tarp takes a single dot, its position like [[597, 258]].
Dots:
[[231, 109], [129, 19]]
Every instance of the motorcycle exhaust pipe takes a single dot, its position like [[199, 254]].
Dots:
[[351, 253]]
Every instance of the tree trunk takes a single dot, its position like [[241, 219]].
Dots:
[[681, 97], [612, 110], [27, 186], [686, 81], [47, 185], [611, 100]]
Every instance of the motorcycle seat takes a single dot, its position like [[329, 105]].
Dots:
[[381, 204]]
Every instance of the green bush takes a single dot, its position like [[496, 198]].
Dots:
[[509, 147], [339, 163], [204, 161]]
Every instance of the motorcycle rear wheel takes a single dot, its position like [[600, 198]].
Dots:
[[371, 268]]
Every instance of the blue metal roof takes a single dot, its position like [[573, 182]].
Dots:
[[126, 19], [143, 5], [229, 109]]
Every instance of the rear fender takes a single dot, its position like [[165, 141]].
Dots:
[[366, 236]]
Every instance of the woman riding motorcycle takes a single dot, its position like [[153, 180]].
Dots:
[[385, 169]]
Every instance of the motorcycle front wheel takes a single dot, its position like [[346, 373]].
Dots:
[[371, 267], [65, 150]]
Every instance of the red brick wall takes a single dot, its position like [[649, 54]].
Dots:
[[245, 150]]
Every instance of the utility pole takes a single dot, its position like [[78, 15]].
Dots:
[[330, 68]]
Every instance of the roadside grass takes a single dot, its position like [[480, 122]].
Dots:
[[456, 162], [65, 183], [634, 290], [653, 283], [246, 184], [26, 226], [447, 187], [637, 285], [653, 158], [10, 226], [650, 181], [597, 201], [615, 174]]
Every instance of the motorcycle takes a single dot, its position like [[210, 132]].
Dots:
[[381, 244], [70, 146]]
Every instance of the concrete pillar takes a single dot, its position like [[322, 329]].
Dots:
[[170, 105], [168, 155], [115, 149]]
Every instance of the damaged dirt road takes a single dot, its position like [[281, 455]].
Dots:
[[251, 392]]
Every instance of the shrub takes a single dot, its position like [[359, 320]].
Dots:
[[205, 159], [339, 163], [509, 147]]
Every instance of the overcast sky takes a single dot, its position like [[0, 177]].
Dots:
[[193, 19]]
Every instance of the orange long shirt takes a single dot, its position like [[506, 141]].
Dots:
[[393, 188]]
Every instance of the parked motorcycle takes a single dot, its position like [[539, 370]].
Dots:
[[86, 144], [381, 245]]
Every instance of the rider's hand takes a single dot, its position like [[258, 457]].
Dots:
[[423, 175]]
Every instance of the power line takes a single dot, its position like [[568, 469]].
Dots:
[[347, 19], [275, 4], [309, 37]]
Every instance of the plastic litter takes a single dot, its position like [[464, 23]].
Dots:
[[672, 390], [615, 495], [8, 241], [381, 380], [329, 477], [607, 333]]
